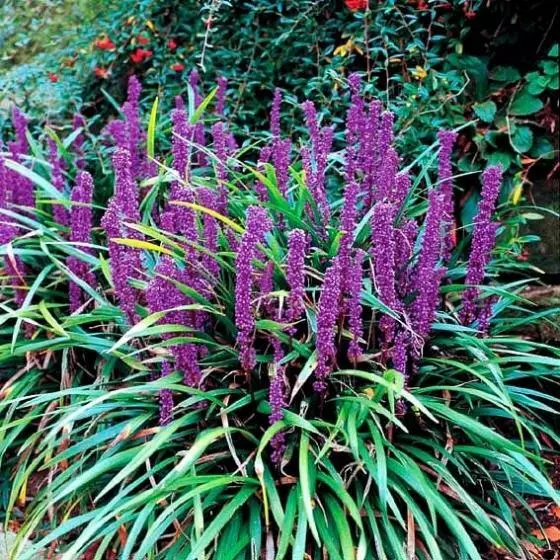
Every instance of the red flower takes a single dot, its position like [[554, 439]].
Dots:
[[422, 5], [356, 5], [178, 67], [53, 77], [171, 44], [142, 40], [105, 44], [101, 72], [139, 55], [470, 14]]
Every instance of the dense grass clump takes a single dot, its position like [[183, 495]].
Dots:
[[264, 351]]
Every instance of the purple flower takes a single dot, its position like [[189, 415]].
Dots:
[[125, 261], [126, 191], [219, 135], [165, 398], [117, 129], [281, 150], [221, 95], [327, 315], [355, 326], [7, 229], [134, 132], [400, 352], [19, 121], [483, 240], [446, 141], [405, 236], [22, 188], [57, 178], [277, 399], [367, 156], [275, 114], [386, 175], [348, 224], [80, 234], [383, 240], [297, 248], [315, 164], [401, 189], [258, 223], [199, 136], [210, 233], [428, 274], [182, 135], [163, 294], [311, 121], [356, 117]]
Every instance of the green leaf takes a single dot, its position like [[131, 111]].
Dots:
[[152, 129], [542, 148], [500, 158], [554, 50], [505, 74], [525, 104], [485, 111], [522, 139]]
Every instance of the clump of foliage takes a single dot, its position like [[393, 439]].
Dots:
[[276, 348]]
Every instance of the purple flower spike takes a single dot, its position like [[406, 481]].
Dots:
[[126, 192], [221, 95], [348, 221], [387, 174], [483, 240], [57, 176], [182, 135], [211, 230], [446, 141], [297, 248], [23, 193], [355, 325], [7, 230], [311, 121], [275, 114], [327, 315], [383, 238], [219, 136], [277, 399], [401, 189], [80, 233], [281, 150], [356, 117], [258, 223], [428, 274], [400, 352], [134, 132], [165, 398]]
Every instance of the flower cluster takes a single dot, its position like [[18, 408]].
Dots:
[[359, 278], [483, 239], [80, 235]]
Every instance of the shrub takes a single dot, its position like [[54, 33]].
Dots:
[[274, 351]]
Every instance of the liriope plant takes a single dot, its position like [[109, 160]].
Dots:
[[278, 350]]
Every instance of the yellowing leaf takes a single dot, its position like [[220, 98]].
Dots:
[[517, 194], [347, 48], [150, 26], [419, 73]]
